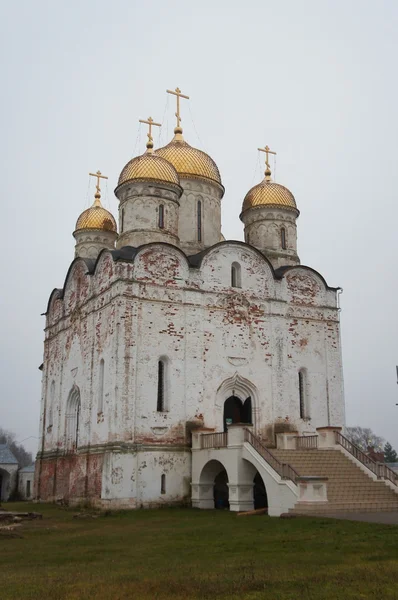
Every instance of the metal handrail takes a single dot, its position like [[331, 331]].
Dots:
[[306, 442], [283, 469], [214, 440], [379, 469]]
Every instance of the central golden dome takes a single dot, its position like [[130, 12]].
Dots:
[[269, 193], [189, 162], [96, 217], [150, 167]]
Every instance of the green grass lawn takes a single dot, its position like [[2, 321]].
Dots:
[[186, 554]]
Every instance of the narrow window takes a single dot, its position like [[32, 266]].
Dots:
[[160, 403], [72, 419], [302, 392], [199, 217], [28, 488], [283, 238], [235, 275], [161, 216], [163, 484], [101, 386], [121, 220]]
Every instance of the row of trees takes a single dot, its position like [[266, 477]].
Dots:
[[23, 457], [364, 438]]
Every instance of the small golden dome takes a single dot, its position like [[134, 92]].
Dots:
[[150, 167], [96, 217], [189, 162], [269, 193]]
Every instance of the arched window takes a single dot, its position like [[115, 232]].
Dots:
[[51, 407], [161, 387], [163, 484], [235, 275], [101, 386], [283, 238], [161, 216], [121, 219], [199, 220], [302, 382], [72, 419]]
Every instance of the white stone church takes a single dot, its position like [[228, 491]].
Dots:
[[174, 358]]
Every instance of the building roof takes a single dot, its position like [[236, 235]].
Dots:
[[6, 456], [29, 469]]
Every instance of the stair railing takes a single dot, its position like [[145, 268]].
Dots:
[[386, 473], [379, 469], [306, 442], [283, 469], [213, 440]]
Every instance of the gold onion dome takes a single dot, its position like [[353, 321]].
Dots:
[[149, 167], [96, 217], [269, 193], [189, 162]]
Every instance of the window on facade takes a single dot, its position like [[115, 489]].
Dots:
[[122, 219], [163, 484], [235, 275], [28, 488], [101, 386], [302, 394], [161, 216], [199, 220], [161, 376], [283, 238], [72, 419]]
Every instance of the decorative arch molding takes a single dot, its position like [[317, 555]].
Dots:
[[72, 417], [240, 387]]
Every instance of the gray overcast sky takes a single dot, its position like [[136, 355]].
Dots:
[[315, 79]]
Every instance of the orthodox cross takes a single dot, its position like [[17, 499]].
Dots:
[[177, 93], [99, 176], [267, 151], [151, 123]]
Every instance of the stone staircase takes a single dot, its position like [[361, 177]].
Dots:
[[349, 489]]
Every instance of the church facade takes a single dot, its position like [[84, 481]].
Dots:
[[165, 328]]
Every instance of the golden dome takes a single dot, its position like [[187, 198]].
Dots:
[[269, 193], [150, 167], [96, 217], [189, 162]]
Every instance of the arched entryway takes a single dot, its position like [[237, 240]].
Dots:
[[236, 411], [213, 486], [260, 499]]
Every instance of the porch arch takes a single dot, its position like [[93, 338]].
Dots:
[[212, 487]]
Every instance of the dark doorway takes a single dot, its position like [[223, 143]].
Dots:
[[221, 492], [236, 411], [259, 493]]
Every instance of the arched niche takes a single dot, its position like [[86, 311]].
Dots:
[[72, 416]]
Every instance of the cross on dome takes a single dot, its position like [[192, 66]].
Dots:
[[97, 195], [150, 122], [267, 152], [179, 95]]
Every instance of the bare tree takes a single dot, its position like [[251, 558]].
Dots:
[[364, 438], [23, 457]]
